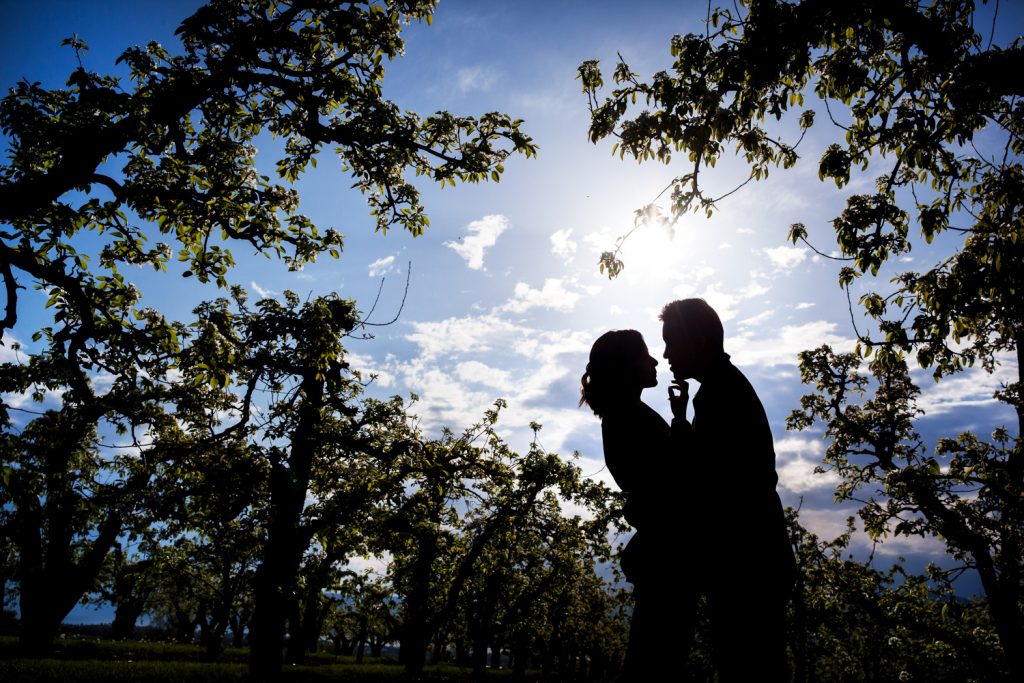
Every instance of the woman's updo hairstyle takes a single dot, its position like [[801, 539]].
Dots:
[[611, 369]]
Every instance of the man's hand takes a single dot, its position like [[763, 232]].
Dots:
[[679, 398]]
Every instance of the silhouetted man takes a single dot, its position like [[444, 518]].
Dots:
[[734, 520]]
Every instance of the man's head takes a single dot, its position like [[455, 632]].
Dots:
[[693, 337]]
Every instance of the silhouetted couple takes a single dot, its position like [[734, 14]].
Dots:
[[701, 497]]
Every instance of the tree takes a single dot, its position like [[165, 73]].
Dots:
[[207, 515], [65, 497], [917, 90], [91, 163], [854, 622], [308, 438], [476, 512]]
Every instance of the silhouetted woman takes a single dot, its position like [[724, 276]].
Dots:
[[638, 453]]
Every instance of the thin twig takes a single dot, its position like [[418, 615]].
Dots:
[[408, 276]]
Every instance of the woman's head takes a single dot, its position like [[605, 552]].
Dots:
[[620, 366]]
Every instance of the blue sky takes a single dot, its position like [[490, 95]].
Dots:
[[505, 296]]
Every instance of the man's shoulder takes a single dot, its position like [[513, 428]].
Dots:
[[726, 390], [725, 379]]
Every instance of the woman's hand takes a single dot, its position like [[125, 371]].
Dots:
[[679, 398]]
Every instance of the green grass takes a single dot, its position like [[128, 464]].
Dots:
[[93, 660], [89, 671], [98, 671]]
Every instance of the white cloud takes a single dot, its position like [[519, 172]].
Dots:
[[804, 305], [830, 523], [562, 246], [51, 398], [724, 303], [475, 78], [798, 476], [786, 258], [376, 565], [755, 320], [461, 365], [368, 367], [443, 399], [968, 389], [754, 289], [826, 523], [784, 347], [476, 372], [8, 352], [483, 235], [102, 382], [600, 240], [971, 388], [381, 266], [553, 295], [264, 293], [798, 457], [798, 446], [477, 334], [906, 546]]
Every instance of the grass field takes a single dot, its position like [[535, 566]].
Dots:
[[95, 660]]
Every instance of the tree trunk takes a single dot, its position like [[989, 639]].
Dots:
[[496, 653], [295, 650], [266, 635], [47, 596], [126, 614], [286, 540], [377, 647], [239, 621], [415, 638], [40, 620], [520, 657], [801, 665], [52, 582], [361, 638], [184, 626], [462, 658], [437, 652], [479, 653]]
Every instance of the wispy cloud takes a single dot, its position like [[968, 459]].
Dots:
[[553, 295], [974, 387], [475, 372], [264, 293], [755, 320], [562, 245], [381, 266], [797, 458], [457, 372], [475, 78], [469, 333], [483, 234], [786, 258], [725, 301], [8, 352], [782, 349]]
